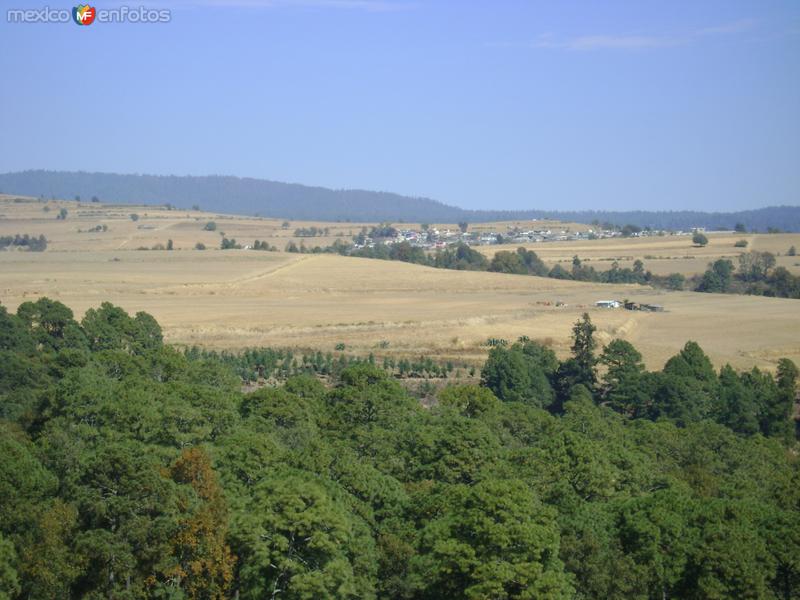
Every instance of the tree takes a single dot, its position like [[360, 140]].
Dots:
[[629, 230], [740, 228], [559, 272], [491, 540], [718, 277], [792, 251], [521, 373], [699, 239], [686, 387], [778, 411], [169, 244], [623, 382], [367, 399], [14, 334], [730, 558], [51, 324], [463, 226], [675, 281], [111, 328], [48, 565], [204, 562], [736, 407], [533, 263], [583, 346], [210, 226], [134, 217], [468, 400], [755, 266], [508, 262], [9, 580], [296, 539], [62, 214], [784, 284], [657, 532], [199, 246]]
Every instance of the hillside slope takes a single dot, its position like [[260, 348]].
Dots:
[[295, 201]]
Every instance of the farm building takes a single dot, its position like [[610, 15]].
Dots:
[[608, 304]]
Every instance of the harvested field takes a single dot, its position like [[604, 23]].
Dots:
[[236, 298], [662, 255]]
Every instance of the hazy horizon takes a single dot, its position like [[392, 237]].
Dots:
[[503, 106], [456, 205]]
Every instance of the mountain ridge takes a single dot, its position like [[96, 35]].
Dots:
[[247, 195]]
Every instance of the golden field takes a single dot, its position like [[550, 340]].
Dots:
[[157, 224], [237, 298], [662, 255]]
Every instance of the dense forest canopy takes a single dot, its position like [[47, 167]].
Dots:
[[294, 201], [134, 470]]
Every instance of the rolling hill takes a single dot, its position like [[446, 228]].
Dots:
[[294, 201]]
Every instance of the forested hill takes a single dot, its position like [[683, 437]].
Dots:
[[295, 201], [131, 470]]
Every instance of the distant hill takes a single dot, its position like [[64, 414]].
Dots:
[[243, 195]]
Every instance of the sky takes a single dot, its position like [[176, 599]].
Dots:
[[501, 104]]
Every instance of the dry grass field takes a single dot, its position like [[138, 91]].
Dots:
[[157, 224], [237, 298], [662, 255]]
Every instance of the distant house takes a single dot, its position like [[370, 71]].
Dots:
[[653, 307], [644, 307], [608, 304]]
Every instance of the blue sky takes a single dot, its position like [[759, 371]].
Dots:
[[503, 104]]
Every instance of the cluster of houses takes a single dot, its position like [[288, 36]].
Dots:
[[431, 238]]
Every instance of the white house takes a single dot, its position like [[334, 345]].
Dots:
[[608, 304]]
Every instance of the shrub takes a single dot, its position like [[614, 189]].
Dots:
[[740, 244]]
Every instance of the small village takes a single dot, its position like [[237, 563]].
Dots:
[[432, 238]]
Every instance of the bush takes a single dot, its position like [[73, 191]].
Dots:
[[791, 252], [740, 244], [32, 244], [210, 226], [259, 245], [674, 281], [134, 217], [699, 239], [229, 244], [199, 246]]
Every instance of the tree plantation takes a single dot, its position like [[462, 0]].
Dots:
[[133, 470]]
